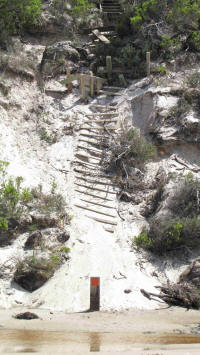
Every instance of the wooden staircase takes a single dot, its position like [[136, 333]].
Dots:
[[95, 190], [111, 8]]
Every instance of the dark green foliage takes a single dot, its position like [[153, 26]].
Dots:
[[17, 15], [161, 26]]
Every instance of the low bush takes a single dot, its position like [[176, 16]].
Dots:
[[193, 80], [129, 149], [185, 201], [183, 230], [171, 235], [16, 201], [33, 272]]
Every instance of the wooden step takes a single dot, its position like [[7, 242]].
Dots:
[[89, 172], [96, 151], [84, 155], [101, 220], [95, 181], [104, 107], [106, 120], [101, 114], [92, 165], [97, 136], [97, 128], [113, 88], [109, 93], [95, 188], [97, 204], [93, 195], [92, 210]]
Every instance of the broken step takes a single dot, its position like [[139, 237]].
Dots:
[[92, 210]]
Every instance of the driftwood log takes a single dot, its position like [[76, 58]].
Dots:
[[184, 293]]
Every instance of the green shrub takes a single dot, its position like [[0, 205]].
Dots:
[[49, 138], [183, 230], [17, 15], [184, 202], [64, 250], [14, 199], [193, 80], [164, 237]]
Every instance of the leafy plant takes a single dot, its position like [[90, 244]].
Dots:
[[16, 15], [44, 136], [64, 250]]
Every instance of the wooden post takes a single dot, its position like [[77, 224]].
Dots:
[[148, 60], [122, 80], [98, 85], [109, 67], [94, 294], [69, 81], [91, 84], [82, 85]]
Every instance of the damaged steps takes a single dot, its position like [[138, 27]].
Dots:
[[96, 191]]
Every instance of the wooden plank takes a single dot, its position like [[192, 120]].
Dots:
[[101, 114], [97, 128], [93, 165], [92, 195], [97, 204], [95, 188], [104, 106], [95, 211], [101, 37], [109, 93], [89, 172], [101, 121], [84, 155], [95, 181], [102, 220], [97, 151]]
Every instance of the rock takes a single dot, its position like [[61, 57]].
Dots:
[[58, 57], [63, 237], [190, 121], [45, 221], [26, 315], [127, 291], [34, 240]]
